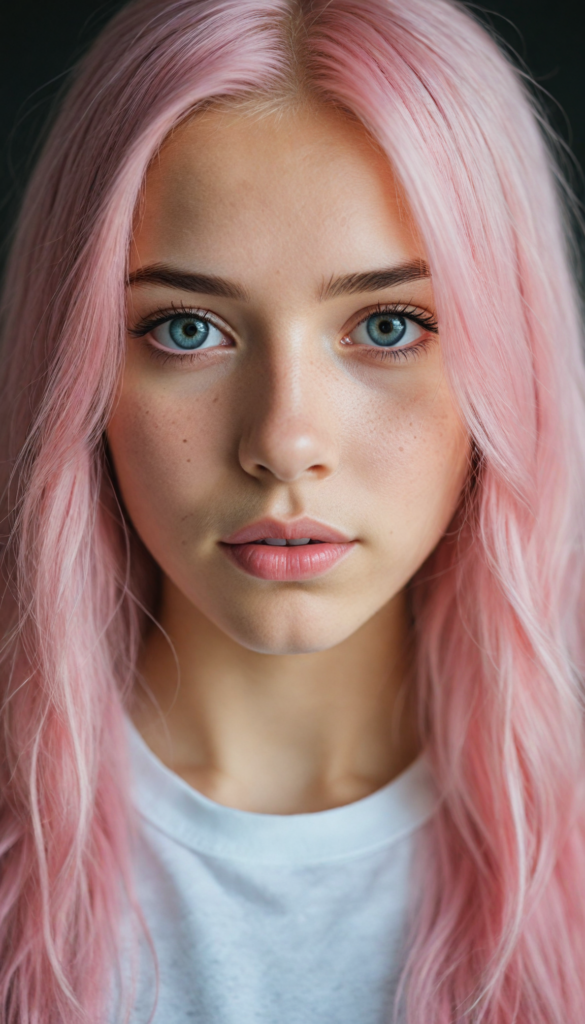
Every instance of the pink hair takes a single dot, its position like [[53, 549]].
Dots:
[[499, 931]]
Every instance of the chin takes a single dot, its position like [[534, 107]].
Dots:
[[287, 635]]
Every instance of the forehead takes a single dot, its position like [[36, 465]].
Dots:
[[306, 191]]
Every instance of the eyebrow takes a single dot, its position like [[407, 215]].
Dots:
[[348, 284], [208, 284], [376, 280]]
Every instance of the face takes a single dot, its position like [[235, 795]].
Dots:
[[285, 440]]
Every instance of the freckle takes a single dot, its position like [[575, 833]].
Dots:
[[188, 460]]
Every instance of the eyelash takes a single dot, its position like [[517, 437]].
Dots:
[[423, 318], [148, 324]]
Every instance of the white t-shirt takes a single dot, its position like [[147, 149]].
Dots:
[[273, 919]]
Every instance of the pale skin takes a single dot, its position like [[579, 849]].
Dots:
[[268, 695]]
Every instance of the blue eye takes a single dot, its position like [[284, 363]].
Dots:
[[187, 332], [387, 330]]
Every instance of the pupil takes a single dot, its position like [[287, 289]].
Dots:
[[386, 330], [187, 332]]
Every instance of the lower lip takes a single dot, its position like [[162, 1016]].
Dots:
[[293, 562]]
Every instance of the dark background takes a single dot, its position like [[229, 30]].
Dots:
[[41, 39]]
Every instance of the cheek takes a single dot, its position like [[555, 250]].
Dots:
[[412, 458], [168, 451]]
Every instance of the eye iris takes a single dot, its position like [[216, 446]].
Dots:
[[386, 329], [188, 331]]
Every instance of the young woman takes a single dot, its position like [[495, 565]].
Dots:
[[294, 453]]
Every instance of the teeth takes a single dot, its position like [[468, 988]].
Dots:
[[281, 543]]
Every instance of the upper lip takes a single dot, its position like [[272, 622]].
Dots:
[[294, 530]]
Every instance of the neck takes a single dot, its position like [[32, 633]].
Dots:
[[277, 734]]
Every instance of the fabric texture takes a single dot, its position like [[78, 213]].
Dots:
[[272, 919]]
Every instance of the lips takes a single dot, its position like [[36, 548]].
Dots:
[[300, 529], [299, 550]]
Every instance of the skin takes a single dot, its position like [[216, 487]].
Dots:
[[282, 697]]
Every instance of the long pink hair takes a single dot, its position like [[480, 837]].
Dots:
[[498, 933]]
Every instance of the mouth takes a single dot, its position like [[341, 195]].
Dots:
[[293, 551]]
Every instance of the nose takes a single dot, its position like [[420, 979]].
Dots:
[[289, 430]]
